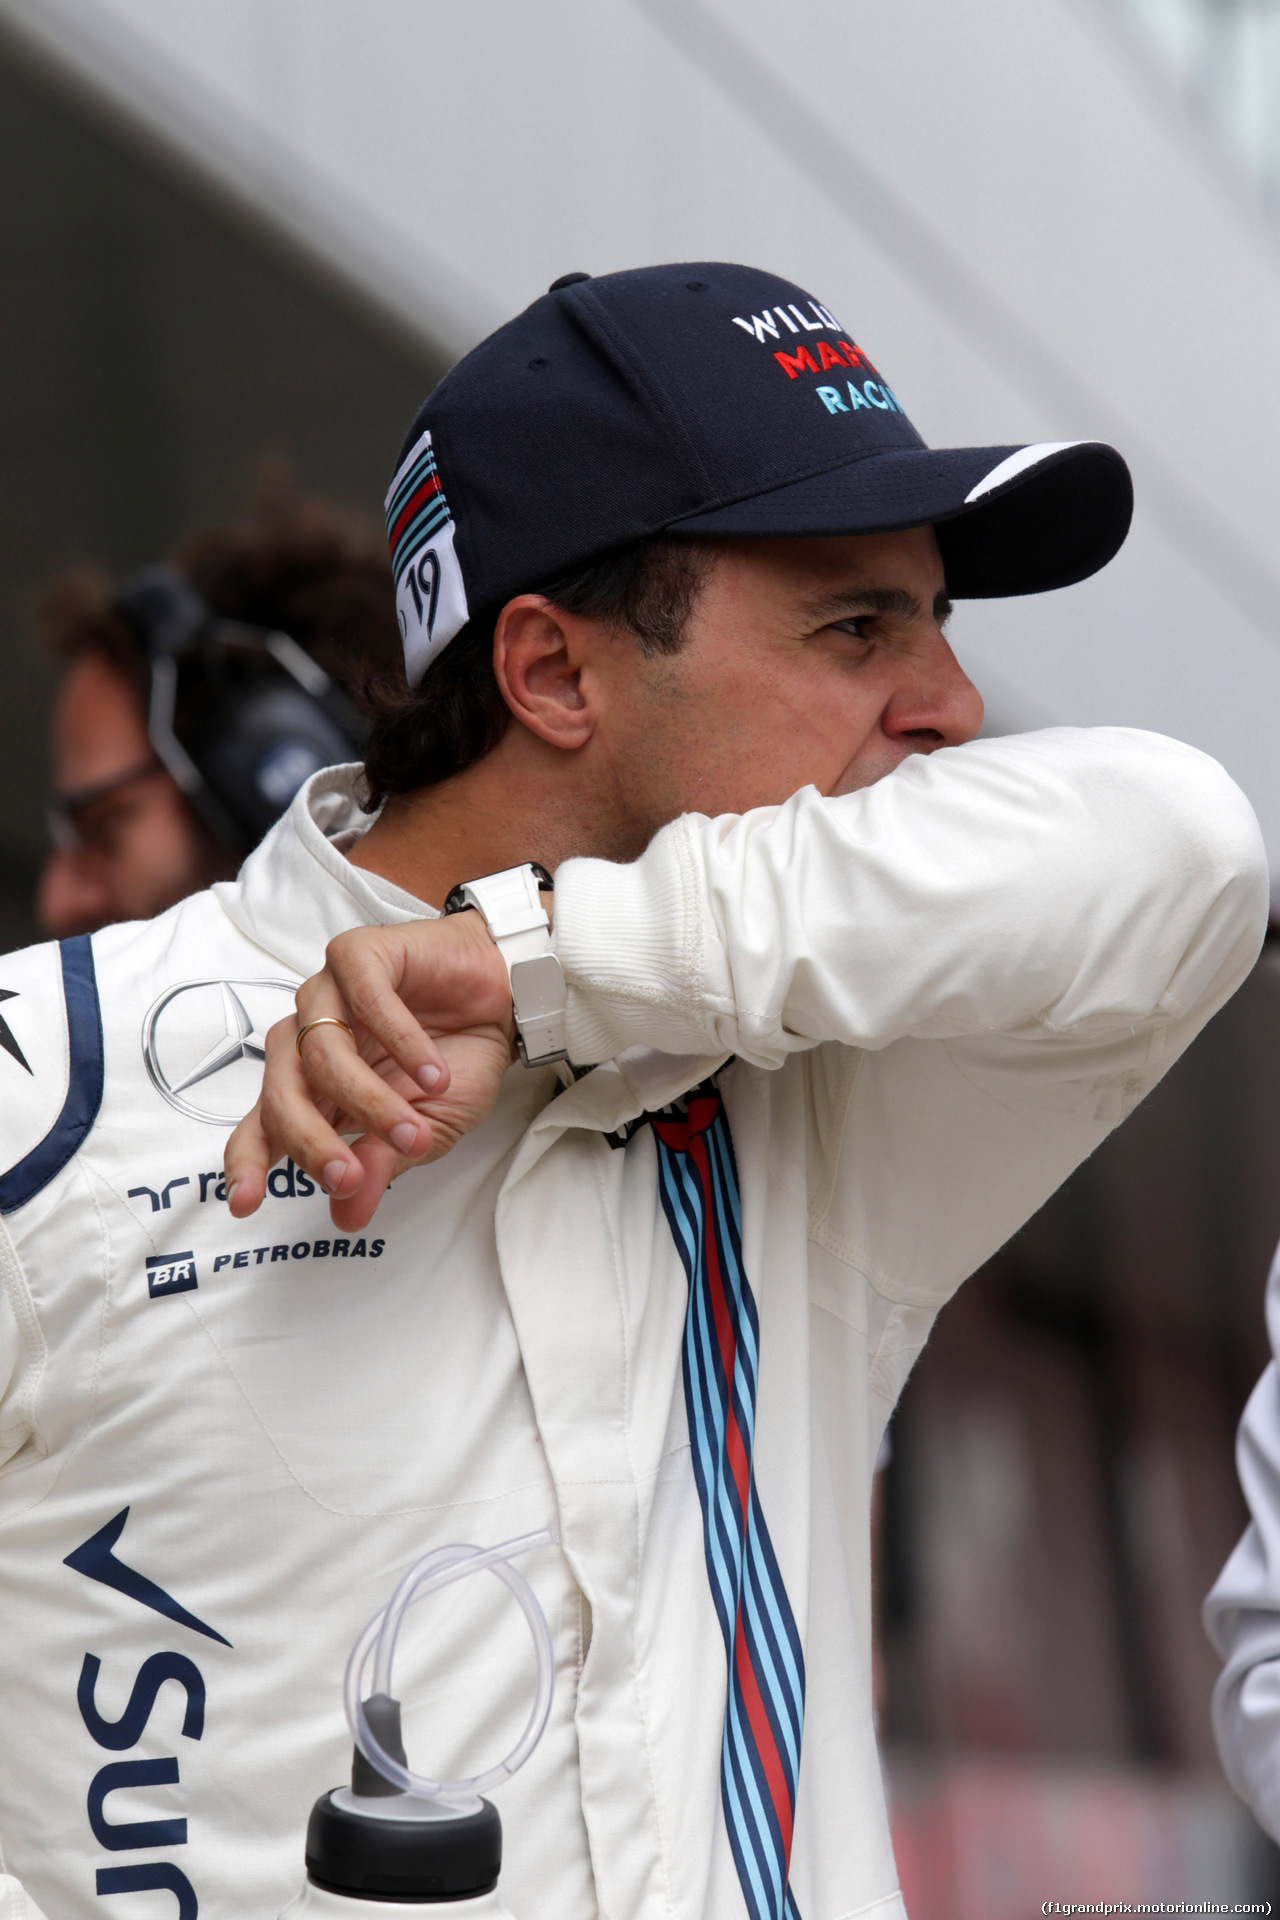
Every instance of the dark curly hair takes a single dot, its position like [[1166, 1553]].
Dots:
[[296, 565], [422, 735]]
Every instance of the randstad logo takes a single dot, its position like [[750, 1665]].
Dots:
[[840, 353]]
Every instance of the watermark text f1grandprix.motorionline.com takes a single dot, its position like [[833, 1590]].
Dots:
[[1156, 1906]]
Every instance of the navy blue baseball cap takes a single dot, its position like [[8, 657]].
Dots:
[[707, 400]]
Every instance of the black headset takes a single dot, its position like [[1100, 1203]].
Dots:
[[239, 715]]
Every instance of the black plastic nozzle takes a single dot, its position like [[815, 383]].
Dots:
[[383, 1716]]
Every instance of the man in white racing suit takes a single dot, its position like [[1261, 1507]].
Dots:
[[848, 993]]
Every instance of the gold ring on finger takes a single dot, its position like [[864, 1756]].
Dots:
[[325, 1020]]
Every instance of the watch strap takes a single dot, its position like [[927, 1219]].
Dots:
[[512, 909]]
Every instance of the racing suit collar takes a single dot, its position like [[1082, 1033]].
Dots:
[[296, 891]]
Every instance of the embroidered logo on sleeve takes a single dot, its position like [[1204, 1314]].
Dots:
[[431, 601], [7, 1040]]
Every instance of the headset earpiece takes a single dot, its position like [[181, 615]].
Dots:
[[239, 716]]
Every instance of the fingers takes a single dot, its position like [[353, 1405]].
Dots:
[[371, 969], [331, 1074], [363, 971], [248, 1159], [368, 1080], [288, 1120], [331, 1069], [443, 974], [377, 1163]]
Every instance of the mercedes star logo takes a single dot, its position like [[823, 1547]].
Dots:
[[204, 1043]]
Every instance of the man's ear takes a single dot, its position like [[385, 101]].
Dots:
[[536, 663]]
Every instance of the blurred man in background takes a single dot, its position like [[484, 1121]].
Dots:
[[140, 819]]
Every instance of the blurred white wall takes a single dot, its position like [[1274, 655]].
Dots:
[[1000, 198]]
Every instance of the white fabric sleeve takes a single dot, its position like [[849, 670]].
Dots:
[[1061, 885], [1242, 1613], [15, 1902]]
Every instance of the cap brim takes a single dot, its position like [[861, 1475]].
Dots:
[[1008, 519]]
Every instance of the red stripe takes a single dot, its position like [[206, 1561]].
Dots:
[[766, 1745], [726, 1334], [415, 500], [688, 1136], [677, 1134]]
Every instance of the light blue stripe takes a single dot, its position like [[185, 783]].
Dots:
[[775, 1595], [739, 1560], [707, 1321], [739, 1819], [710, 1449], [734, 1532], [416, 535], [736, 1282], [762, 1585], [771, 1575], [766, 1667], [433, 501], [736, 1273], [668, 1172], [752, 1821], [724, 1537], [735, 1726], [720, 1132], [425, 464]]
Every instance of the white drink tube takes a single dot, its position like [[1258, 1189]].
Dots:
[[396, 1832]]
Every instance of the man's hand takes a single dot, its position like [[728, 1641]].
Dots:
[[410, 1083]]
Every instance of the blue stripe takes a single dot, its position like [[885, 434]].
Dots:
[[741, 1761], [706, 1421], [424, 525], [744, 1838], [788, 1640], [722, 1523], [708, 1451], [422, 467], [742, 1569], [778, 1629], [773, 1688], [84, 1083], [752, 1827]]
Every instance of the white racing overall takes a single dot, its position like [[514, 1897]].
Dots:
[[223, 1441]]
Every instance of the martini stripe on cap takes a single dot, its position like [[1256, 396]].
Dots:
[[425, 492], [421, 464], [424, 523]]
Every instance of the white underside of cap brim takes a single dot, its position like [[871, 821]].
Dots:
[[1018, 463]]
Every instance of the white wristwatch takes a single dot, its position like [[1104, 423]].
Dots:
[[521, 931]]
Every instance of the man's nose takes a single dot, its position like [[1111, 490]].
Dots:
[[70, 897], [937, 703]]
